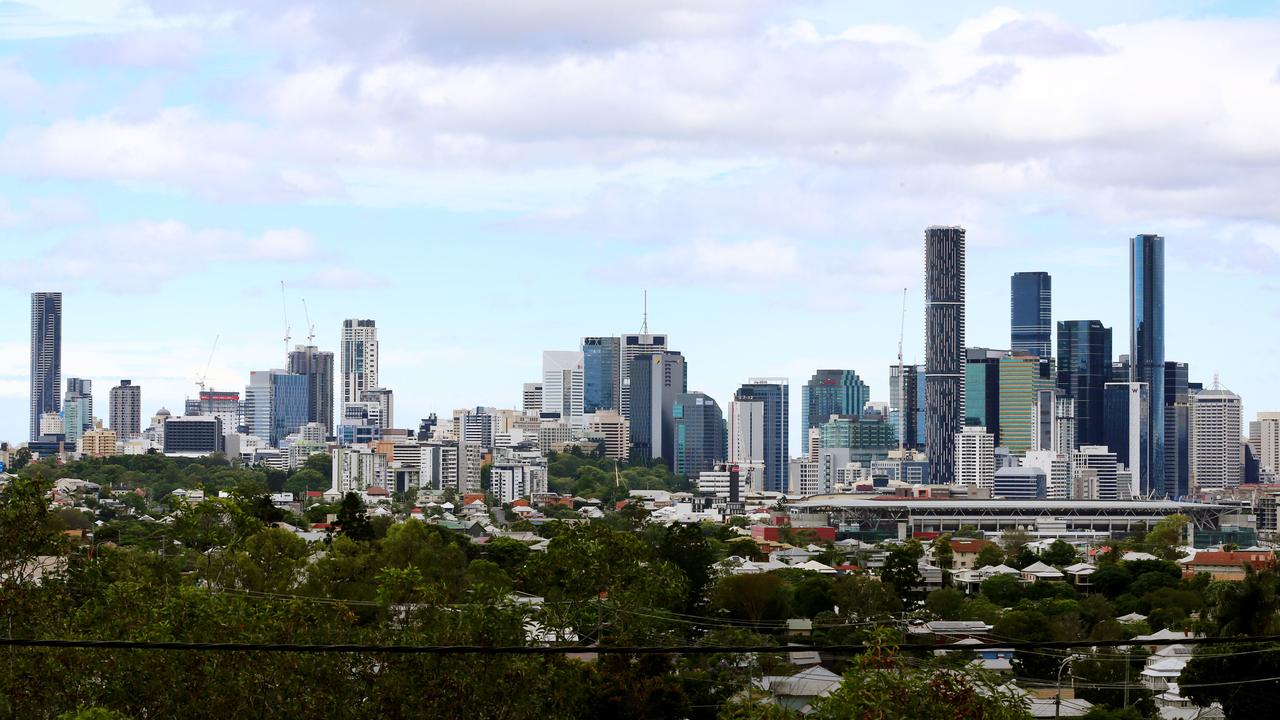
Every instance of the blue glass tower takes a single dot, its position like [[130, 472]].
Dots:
[[701, 438], [831, 392], [1146, 338], [1084, 367], [601, 374], [290, 404], [1031, 313], [775, 394]]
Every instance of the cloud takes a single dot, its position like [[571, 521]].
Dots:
[[994, 76], [144, 255], [168, 48], [343, 277], [742, 265], [45, 212], [1038, 37]]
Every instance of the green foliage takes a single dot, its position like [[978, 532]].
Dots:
[[27, 528], [1059, 554], [946, 604], [1239, 676], [352, 520], [756, 598], [990, 556], [901, 570]]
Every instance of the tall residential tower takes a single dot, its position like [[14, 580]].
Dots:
[[944, 348], [46, 356]]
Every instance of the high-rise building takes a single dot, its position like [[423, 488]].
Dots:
[[773, 394], [1084, 368], [944, 348], [221, 404], [46, 356], [81, 389], [1031, 313], [602, 373], [614, 429], [747, 439], [982, 389], [1065, 426], [1056, 467], [359, 358], [73, 415], [531, 398], [126, 410], [701, 435], [1146, 339], [1094, 474], [906, 404], [317, 366], [867, 439], [975, 457], [1216, 418], [275, 404], [831, 392], [656, 380], [98, 443], [1022, 378], [1177, 429], [1268, 443], [1127, 407], [641, 343], [562, 386], [384, 400]]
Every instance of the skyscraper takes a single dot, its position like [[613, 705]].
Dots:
[[562, 385], [275, 404], [1084, 367], [831, 392], [359, 358], [1177, 429], [700, 434], [1031, 313], [773, 396], [1146, 339], [656, 380], [126, 410], [317, 366], [1216, 420], [1128, 407], [1022, 378], [641, 343], [221, 404], [975, 457], [602, 373], [46, 356], [81, 389], [944, 348], [906, 404], [982, 389]]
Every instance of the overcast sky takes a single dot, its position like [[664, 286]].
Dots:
[[491, 179]]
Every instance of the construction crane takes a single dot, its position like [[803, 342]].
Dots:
[[311, 328], [200, 379], [902, 382], [285, 305]]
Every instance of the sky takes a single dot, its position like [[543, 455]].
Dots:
[[488, 180]]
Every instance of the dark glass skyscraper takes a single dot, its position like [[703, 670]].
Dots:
[[46, 356], [774, 394], [317, 366], [1084, 367], [982, 389], [831, 392], [1146, 339], [1177, 429], [290, 395], [601, 373], [1031, 313], [701, 438], [656, 379], [944, 348]]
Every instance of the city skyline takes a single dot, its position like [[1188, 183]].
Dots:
[[802, 224]]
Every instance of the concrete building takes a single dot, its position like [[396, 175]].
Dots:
[[1094, 473], [221, 404], [358, 468], [1268, 442], [1020, 483], [384, 400], [906, 404], [944, 348], [975, 457], [656, 381], [775, 413], [641, 343], [531, 398], [359, 358], [1215, 414], [193, 436], [804, 478], [982, 389], [98, 444], [46, 356], [1056, 467], [746, 439], [126, 410], [563, 386], [512, 480], [317, 366], [614, 429]]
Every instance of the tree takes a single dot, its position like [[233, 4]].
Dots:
[[860, 598], [990, 556], [20, 459], [1241, 677], [943, 555], [1059, 554], [1014, 541], [303, 480], [885, 685], [756, 598], [902, 571], [1167, 536], [687, 548], [27, 529], [947, 603], [352, 520], [1111, 580], [1003, 590]]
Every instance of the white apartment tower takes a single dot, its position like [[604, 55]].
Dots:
[[975, 457], [359, 359], [746, 441], [1215, 438], [1269, 442], [563, 385]]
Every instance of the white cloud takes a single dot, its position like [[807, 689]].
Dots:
[[144, 255], [1041, 37], [743, 265]]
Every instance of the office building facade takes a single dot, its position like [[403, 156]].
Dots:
[[1022, 378], [656, 380], [359, 358], [701, 434], [602, 373], [81, 389], [906, 404], [944, 348], [317, 366], [982, 389], [975, 457], [1177, 429], [1084, 369], [1146, 341], [193, 436], [1128, 407], [633, 345], [831, 392], [563, 382], [773, 395], [1216, 419], [1031, 313], [46, 356]]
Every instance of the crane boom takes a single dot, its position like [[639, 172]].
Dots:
[[285, 306], [200, 381], [311, 328]]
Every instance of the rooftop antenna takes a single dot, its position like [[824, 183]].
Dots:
[[902, 382], [644, 325], [200, 381], [311, 328], [285, 306]]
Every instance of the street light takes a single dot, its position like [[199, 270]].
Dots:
[[1057, 704]]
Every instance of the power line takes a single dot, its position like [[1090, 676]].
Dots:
[[578, 649]]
